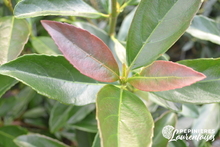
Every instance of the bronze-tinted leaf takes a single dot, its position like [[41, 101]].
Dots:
[[86, 52], [165, 75]]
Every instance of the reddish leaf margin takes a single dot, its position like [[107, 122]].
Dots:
[[165, 75], [86, 52]]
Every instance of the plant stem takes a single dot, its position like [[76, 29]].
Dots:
[[113, 17], [9, 5]]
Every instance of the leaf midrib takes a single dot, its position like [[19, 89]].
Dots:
[[146, 42], [10, 34], [95, 59], [119, 116], [10, 73], [168, 77]]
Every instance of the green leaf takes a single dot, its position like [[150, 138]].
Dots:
[[53, 77], [8, 133], [123, 32], [168, 118], [106, 4], [205, 28], [165, 75], [96, 142], [84, 139], [205, 91], [88, 124], [94, 30], [119, 52], [6, 83], [14, 35], [151, 34], [15, 106], [123, 119], [178, 143], [35, 112], [167, 104], [190, 110], [79, 113], [45, 45], [33, 8], [37, 140], [59, 116], [85, 51], [211, 113]]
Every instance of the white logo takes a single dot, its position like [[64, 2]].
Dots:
[[168, 131], [173, 134]]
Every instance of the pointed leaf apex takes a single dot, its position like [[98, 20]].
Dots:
[[165, 75], [86, 52]]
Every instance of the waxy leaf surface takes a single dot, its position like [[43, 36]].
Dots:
[[8, 133], [33, 8], [84, 51], [205, 28], [168, 118], [165, 75], [205, 91], [156, 26], [45, 45], [54, 77], [123, 119], [32, 140], [14, 34], [6, 83]]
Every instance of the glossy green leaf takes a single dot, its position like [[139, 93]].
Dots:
[[33, 8], [14, 35], [211, 113], [85, 51], [156, 26], [205, 28], [190, 110], [35, 112], [94, 30], [15, 106], [164, 103], [165, 75], [123, 32], [79, 113], [40, 122], [123, 119], [6, 83], [88, 124], [45, 45], [37, 140], [119, 51], [59, 116], [168, 118], [53, 77], [8, 133], [205, 91]]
